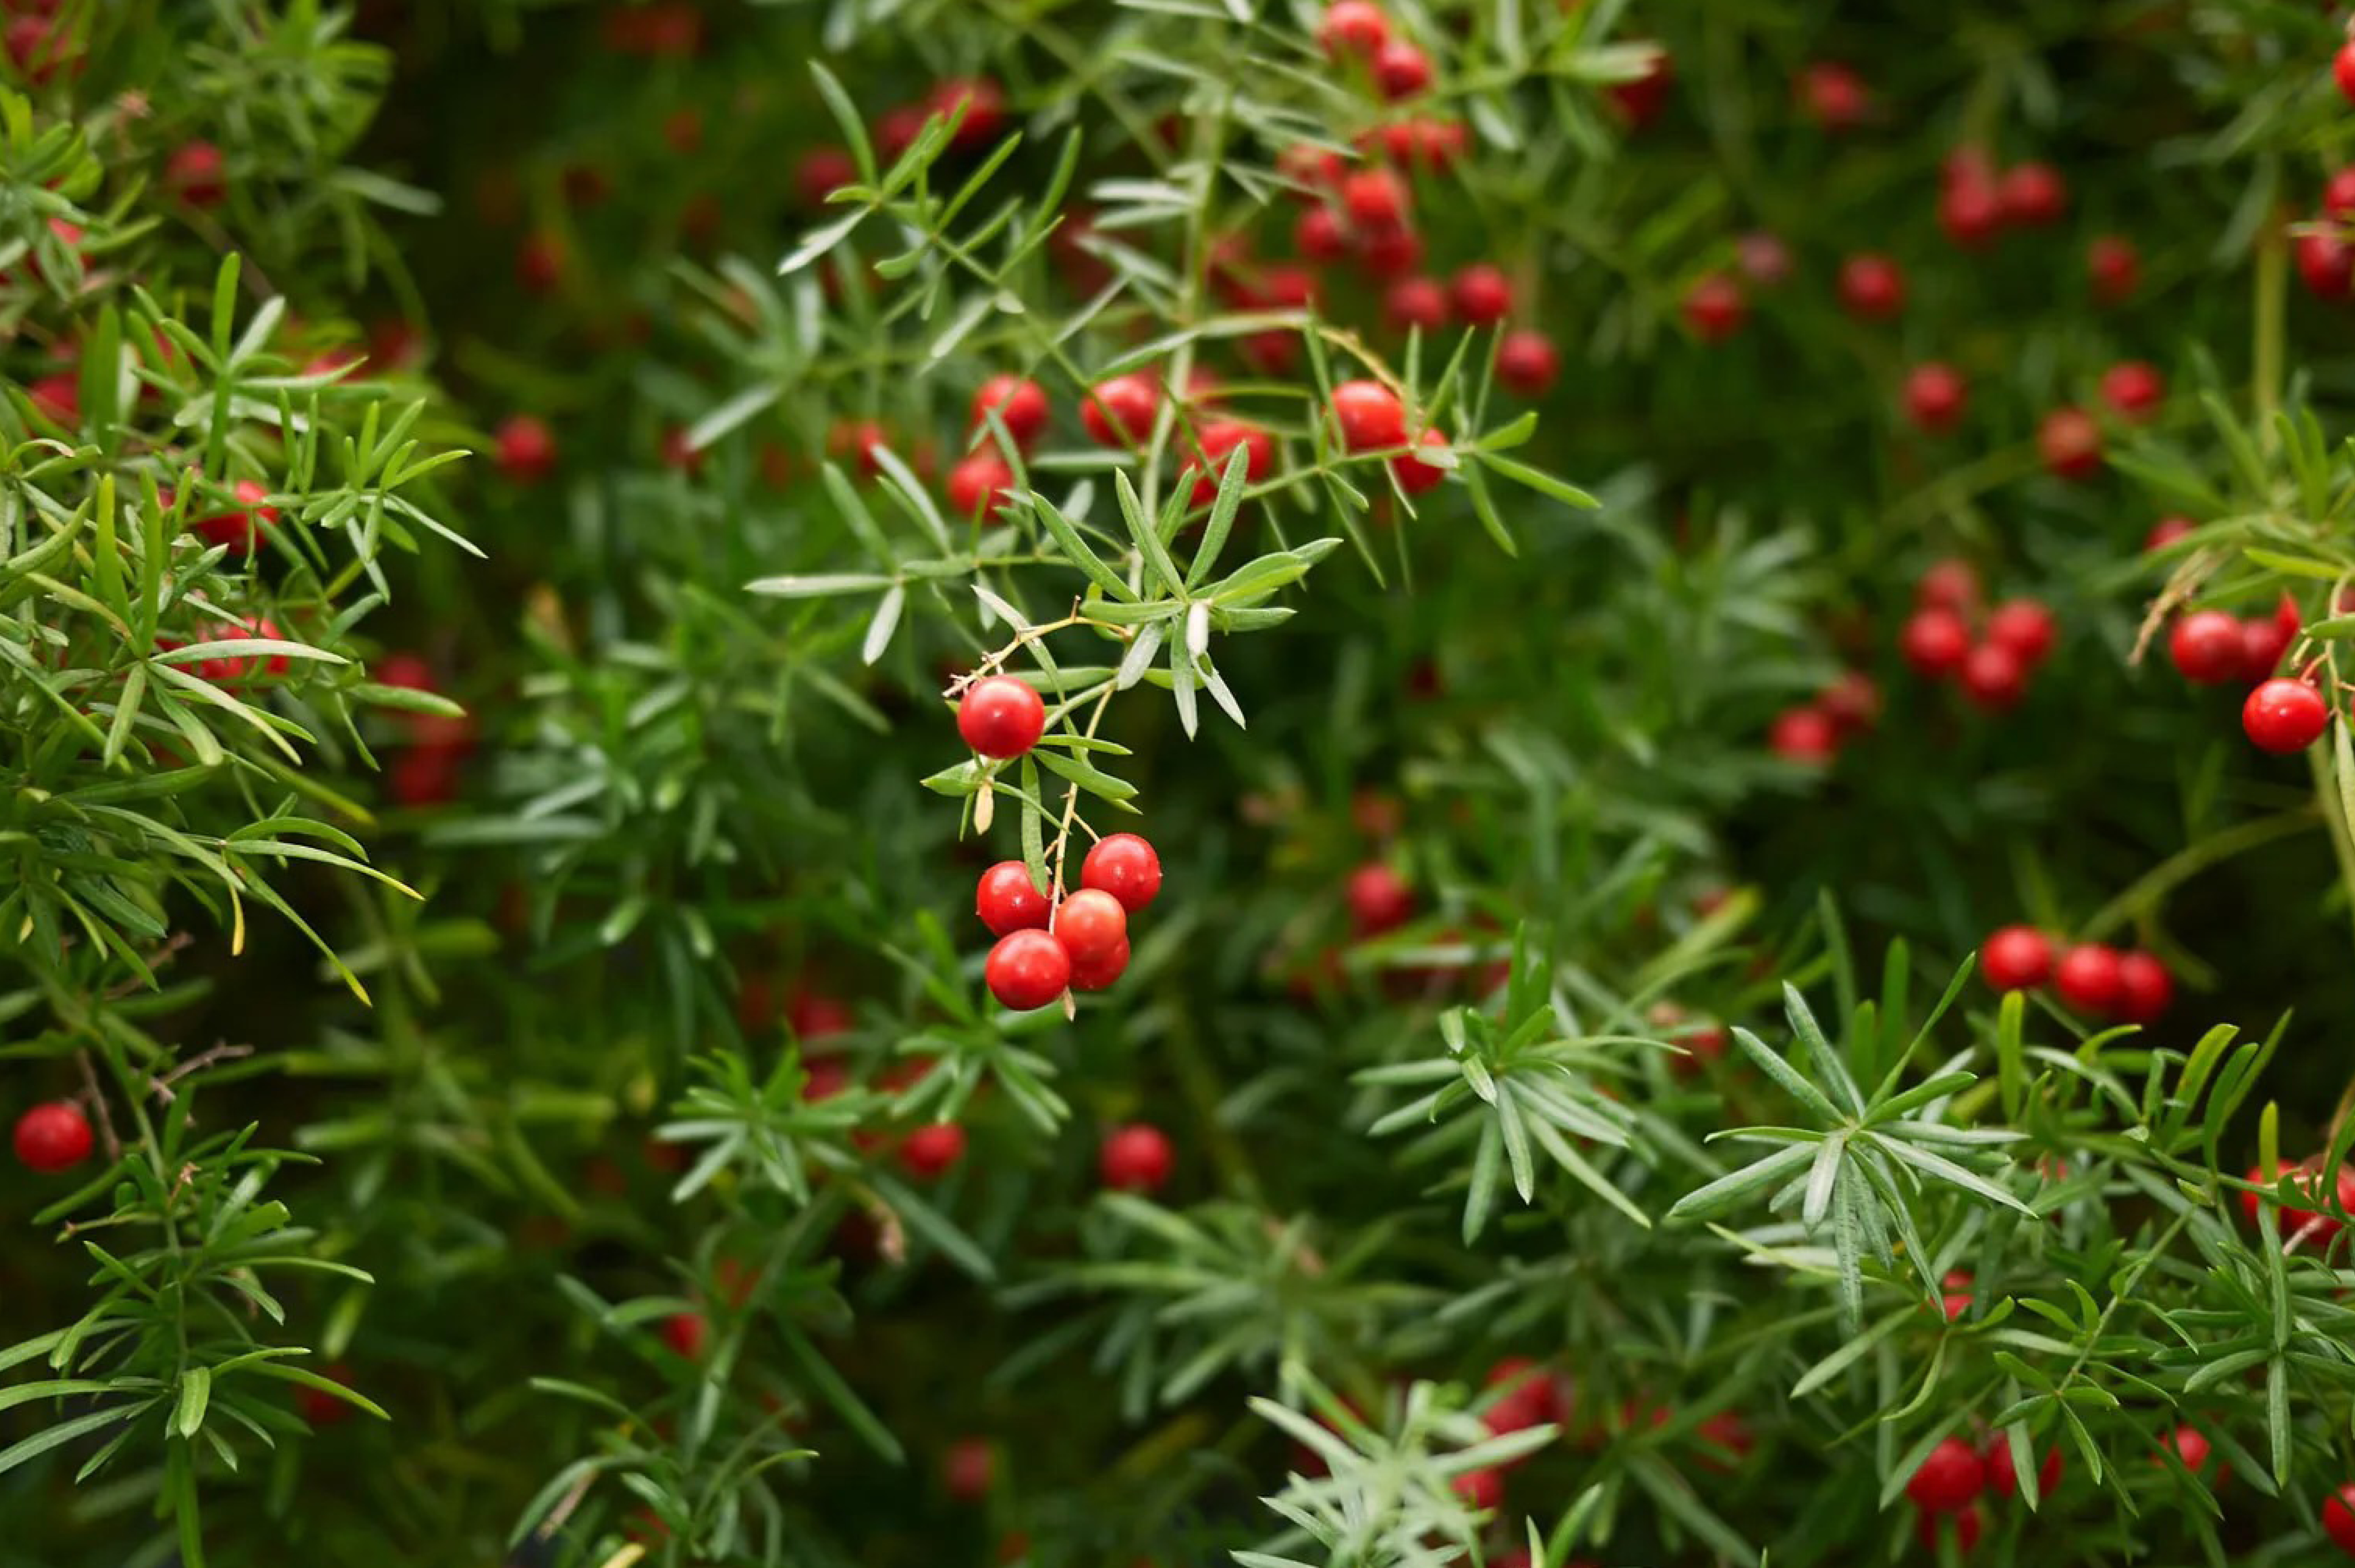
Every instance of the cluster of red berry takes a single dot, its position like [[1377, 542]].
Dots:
[[425, 772], [1948, 1484], [2214, 648], [1814, 732], [1990, 657], [2095, 979], [2325, 260]]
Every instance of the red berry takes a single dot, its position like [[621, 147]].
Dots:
[[58, 399], [2145, 988], [1804, 735], [2071, 443], [2338, 1507], [1936, 396], [983, 102], [1218, 439], [1833, 95], [2034, 195], [2024, 626], [1380, 900], [931, 1150], [970, 1465], [1020, 404], [1119, 412], [2327, 263], [1482, 1490], [1967, 1526], [1640, 101], [1948, 585], [2339, 193], [2088, 978], [1099, 972], [1126, 866], [1484, 296], [2207, 647], [2003, 1476], [1387, 252], [1135, 1159], [1950, 1478], [1415, 302], [1376, 198], [237, 528], [2134, 390], [1318, 235], [1353, 26], [2166, 532], [53, 1137], [2016, 957], [1401, 69], [1993, 677], [1414, 476], [321, 1408], [2114, 267], [1872, 286], [1971, 212], [1530, 1398], [980, 480], [680, 452], [193, 174], [1527, 363], [1006, 901], [2282, 717], [822, 172], [2191, 1445], [1090, 924], [684, 1332], [526, 448], [1001, 717], [1851, 701], [1369, 416], [1714, 307], [1936, 643], [1028, 969], [2342, 67]]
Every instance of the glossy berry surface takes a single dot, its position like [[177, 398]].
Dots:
[[1007, 902], [1378, 899], [1135, 1159], [1100, 970], [2024, 628], [2017, 957], [1806, 736], [1000, 717], [1527, 363], [1872, 286], [1119, 412], [1935, 642], [1484, 295], [980, 484], [1949, 1478], [1090, 925], [2088, 978], [1019, 403], [1413, 475], [1369, 416], [1026, 970], [53, 1137], [2207, 647], [1714, 307], [2282, 717], [1936, 396], [1124, 866], [1992, 677], [2145, 988], [2338, 1507], [930, 1151]]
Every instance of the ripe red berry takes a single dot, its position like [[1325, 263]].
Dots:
[[1027, 970], [2071, 443], [2339, 193], [1992, 677], [2338, 1507], [1971, 212], [2327, 263], [1388, 252], [969, 1469], [1126, 866], [2033, 194], [2088, 978], [978, 482], [2166, 532], [1100, 971], [2003, 1475], [321, 1408], [684, 1332], [2191, 1445], [2114, 267], [1640, 99], [195, 174], [237, 528], [1416, 303], [983, 102], [2282, 717], [1376, 198], [2207, 647], [1714, 307], [931, 1150], [1950, 1478], [540, 263], [58, 399], [1936, 396], [1833, 96], [2342, 69], [1949, 584], [1135, 1159], [1484, 295], [1413, 475], [1020, 404], [1379, 898], [1318, 235], [1401, 69], [1527, 363], [1119, 412], [53, 1137], [1369, 416], [2145, 988], [526, 448], [1001, 717], [1935, 642], [1090, 924], [2025, 627], [1006, 901], [2134, 390], [1353, 26], [1482, 1490], [1219, 437], [1851, 701], [1804, 735], [1872, 286], [2016, 957]]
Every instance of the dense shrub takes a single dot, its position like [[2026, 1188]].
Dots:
[[1716, 627]]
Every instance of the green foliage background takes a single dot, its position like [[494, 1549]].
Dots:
[[424, 1116]]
